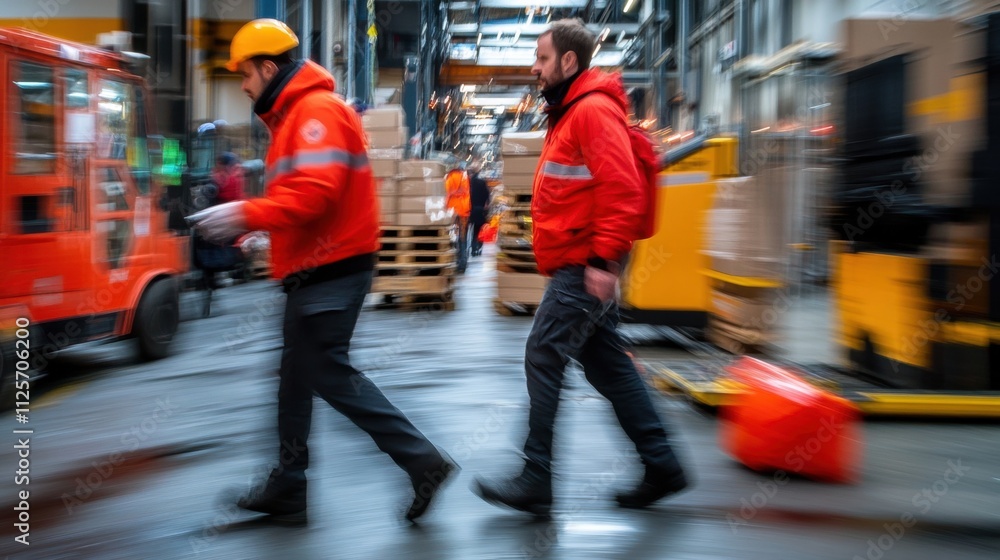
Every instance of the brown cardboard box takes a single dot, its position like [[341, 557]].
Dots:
[[422, 218], [421, 187], [946, 97], [521, 287], [386, 187], [385, 117], [927, 41], [748, 267], [518, 183], [391, 138], [387, 209], [421, 169], [386, 153], [520, 165], [748, 313], [421, 204], [522, 143], [746, 225], [384, 167]]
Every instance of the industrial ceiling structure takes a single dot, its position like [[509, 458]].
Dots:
[[492, 42]]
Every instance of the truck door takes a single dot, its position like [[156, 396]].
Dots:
[[46, 227]]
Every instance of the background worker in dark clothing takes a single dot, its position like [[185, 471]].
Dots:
[[480, 200], [320, 208], [587, 207]]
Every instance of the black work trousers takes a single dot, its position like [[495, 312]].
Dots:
[[570, 323], [319, 323]]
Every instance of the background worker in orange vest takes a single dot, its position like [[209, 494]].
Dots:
[[457, 186], [320, 208]]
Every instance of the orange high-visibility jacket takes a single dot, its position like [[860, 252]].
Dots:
[[456, 185], [588, 198], [320, 205]]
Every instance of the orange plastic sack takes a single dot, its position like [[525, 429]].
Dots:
[[781, 422]]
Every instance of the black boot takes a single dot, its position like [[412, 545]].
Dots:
[[528, 492], [655, 485], [281, 497], [427, 483]]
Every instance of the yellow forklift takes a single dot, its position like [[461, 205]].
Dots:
[[916, 218], [665, 282]]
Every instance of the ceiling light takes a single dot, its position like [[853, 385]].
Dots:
[[628, 5]]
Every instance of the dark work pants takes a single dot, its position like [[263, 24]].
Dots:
[[570, 323], [462, 223], [319, 323], [478, 218]]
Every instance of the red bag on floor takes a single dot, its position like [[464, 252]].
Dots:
[[488, 233], [781, 422]]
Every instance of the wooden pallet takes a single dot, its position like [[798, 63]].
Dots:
[[514, 309], [429, 302], [737, 340], [413, 285], [516, 266], [520, 199], [409, 232], [389, 258], [514, 253], [415, 269], [415, 243]]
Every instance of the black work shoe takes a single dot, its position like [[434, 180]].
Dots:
[[524, 492], [655, 485], [427, 484], [281, 498]]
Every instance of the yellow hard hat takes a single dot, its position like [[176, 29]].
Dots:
[[260, 37]]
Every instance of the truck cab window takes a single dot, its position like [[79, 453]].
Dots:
[[35, 122]]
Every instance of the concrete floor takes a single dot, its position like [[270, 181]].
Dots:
[[186, 433]]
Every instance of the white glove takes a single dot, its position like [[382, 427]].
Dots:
[[221, 223]]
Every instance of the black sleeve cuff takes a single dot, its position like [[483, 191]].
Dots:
[[604, 264]]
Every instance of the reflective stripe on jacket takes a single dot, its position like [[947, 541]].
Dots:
[[587, 194], [320, 204]]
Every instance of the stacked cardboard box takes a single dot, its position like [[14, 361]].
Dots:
[[746, 243], [381, 123], [519, 286], [385, 128], [945, 92], [520, 151], [417, 261]]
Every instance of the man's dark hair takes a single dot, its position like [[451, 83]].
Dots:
[[279, 60], [571, 35]]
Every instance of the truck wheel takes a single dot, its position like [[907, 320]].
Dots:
[[156, 319]]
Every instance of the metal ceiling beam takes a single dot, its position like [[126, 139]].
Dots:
[[539, 3], [534, 29]]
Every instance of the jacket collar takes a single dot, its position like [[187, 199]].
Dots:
[[265, 104]]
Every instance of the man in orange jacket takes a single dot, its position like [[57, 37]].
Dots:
[[586, 208], [456, 184], [321, 210]]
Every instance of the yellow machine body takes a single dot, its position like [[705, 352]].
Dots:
[[664, 282]]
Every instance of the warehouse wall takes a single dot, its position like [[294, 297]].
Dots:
[[75, 20], [775, 24]]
